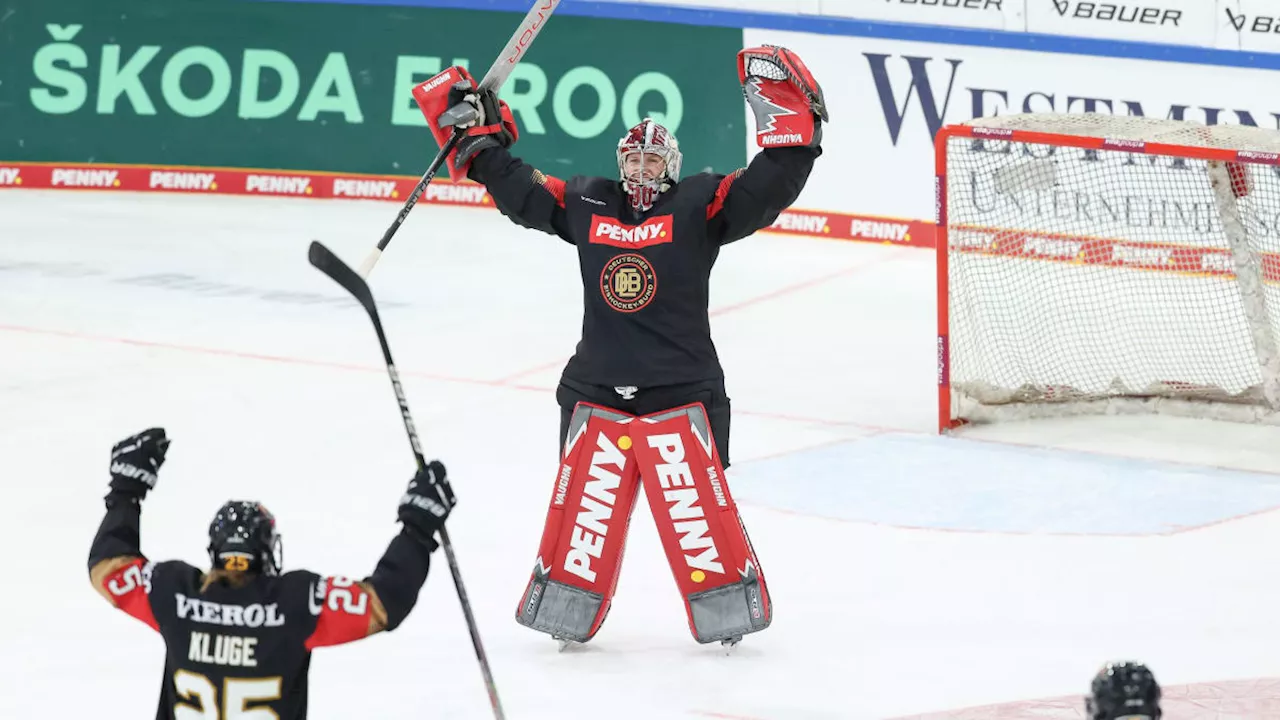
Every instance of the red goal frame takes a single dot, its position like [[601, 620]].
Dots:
[[1235, 159]]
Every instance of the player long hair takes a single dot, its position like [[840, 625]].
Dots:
[[234, 573]]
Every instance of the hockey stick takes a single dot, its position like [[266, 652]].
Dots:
[[326, 262], [493, 80]]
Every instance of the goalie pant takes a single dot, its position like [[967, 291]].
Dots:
[[606, 457]]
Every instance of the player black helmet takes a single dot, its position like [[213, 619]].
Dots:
[[1124, 691], [243, 537]]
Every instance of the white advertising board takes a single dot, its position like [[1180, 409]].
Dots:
[[888, 98], [984, 14], [1249, 25], [1183, 22], [1252, 25]]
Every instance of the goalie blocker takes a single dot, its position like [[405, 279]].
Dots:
[[607, 455]]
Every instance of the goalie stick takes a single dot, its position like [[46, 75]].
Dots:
[[498, 72], [326, 262]]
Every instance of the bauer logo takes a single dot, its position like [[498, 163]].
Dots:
[[10, 177], [365, 189], [688, 520], [610, 231], [1243, 155], [1256, 24], [1120, 144], [79, 178], [802, 222], [1120, 13], [278, 185], [166, 180], [599, 495]]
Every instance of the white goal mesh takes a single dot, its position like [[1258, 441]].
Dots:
[[1103, 264]]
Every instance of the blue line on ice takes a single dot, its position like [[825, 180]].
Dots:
[[953, 484]]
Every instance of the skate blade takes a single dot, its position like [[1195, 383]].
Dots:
[[730, 643]]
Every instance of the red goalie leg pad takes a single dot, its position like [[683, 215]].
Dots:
[[704, 538], [586, 529], [432, 97]]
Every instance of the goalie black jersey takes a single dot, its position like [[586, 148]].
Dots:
[[646, 276], [230, 650]]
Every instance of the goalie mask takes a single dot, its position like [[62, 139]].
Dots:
[[648, 163]]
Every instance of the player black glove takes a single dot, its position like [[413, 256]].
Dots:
[[495, 126], [135, 461], [427, 502]]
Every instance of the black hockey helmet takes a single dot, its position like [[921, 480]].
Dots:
[[1124, 691], [243, 537]]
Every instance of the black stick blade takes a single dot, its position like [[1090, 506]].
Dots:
[[326, 262]]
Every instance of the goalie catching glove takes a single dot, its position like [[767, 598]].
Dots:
[[783, 95], [452, 102]]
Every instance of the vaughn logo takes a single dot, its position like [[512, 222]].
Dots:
[[687, 517], [599, 495], [10, 176], [610, 231], [782, 138], [435, 82], [65, 177], [874, 230], [278, 185], [165, 180], [1122, 12], [369, 189], [802, 222]]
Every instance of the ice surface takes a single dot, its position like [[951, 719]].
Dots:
[[911, 574]]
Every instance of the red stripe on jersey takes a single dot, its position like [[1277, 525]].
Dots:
[[554, 185], [722, 192], [129, 586], [344, 613]]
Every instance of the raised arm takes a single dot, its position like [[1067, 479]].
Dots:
[[117, 568], [752, 198], [349, 610], [789, 110], [524, 194]]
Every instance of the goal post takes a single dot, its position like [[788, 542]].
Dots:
[[1099, 264]]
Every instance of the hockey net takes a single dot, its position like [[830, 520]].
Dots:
[[1105, 264]]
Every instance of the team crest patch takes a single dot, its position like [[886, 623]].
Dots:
[[628, 282]]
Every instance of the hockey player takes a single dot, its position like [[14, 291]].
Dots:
[[238, 637], [647, 239], [1124, 691]]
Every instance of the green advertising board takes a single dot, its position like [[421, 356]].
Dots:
[[238, 83]]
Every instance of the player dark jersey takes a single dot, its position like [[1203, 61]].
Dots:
[[646, 275], [234, 649], [238, 638]]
